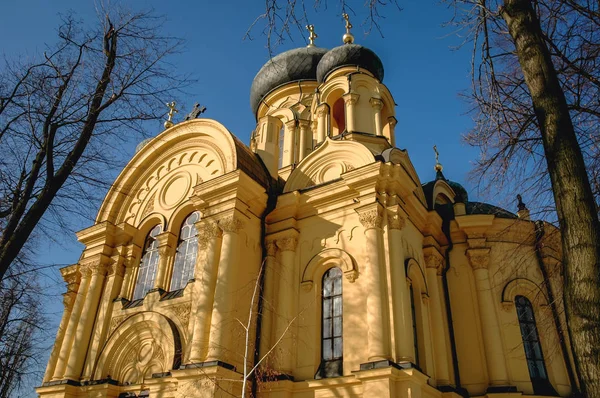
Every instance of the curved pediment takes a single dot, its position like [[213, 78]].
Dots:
[[328, 163], [161, 176]]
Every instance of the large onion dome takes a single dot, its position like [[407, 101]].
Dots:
[[291, 66], [349, 54]]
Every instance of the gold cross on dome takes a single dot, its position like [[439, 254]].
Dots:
[[312, 36]]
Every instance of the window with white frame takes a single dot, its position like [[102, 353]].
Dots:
[[186, 253], [148, 265]]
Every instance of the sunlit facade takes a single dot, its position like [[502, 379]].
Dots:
[[314, 255]]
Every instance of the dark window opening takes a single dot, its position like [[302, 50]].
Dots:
[[339, 115], [331, 327], [533, 348]]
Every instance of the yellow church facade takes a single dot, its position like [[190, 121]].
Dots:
[[311, 263]]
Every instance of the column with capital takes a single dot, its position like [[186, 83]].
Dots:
[[350, 100], [114, 280], [403, 330], [72, 279], [479, 258], [269, 301], [97, 268], [221, 320], [67, 343], [322, 122], [371, 217], [289, 143], [434, 262], [166, 249], [305, 142], [205, 279], [377, 105], [131, 262], [286, 302]]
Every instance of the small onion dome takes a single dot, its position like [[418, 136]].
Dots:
[[291, 66], [349, 55]]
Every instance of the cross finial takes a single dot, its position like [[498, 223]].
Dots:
[[172, 112], [312, 35], [196, 111], [438, 165], [348, 37]]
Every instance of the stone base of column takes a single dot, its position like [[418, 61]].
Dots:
[[501, 389], [208, 364]]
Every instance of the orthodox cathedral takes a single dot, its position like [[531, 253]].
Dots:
[[312, 262]]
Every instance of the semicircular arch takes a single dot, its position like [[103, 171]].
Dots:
[[326, 259], [144, 344]]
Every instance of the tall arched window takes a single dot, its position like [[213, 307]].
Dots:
[[187, 250], [533, 348], [331, 331], [148, 264]]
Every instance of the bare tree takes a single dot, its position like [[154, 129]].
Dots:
[[536, 86], [62, 116], [21, 333]]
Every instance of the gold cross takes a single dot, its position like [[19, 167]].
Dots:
[[348, 24], [312, 36], [172, 112]]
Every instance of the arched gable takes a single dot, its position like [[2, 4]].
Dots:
[[161, 176], [144, 344], [327, 163], [326, 259]]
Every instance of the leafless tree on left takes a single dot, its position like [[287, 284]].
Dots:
[[63, 114]]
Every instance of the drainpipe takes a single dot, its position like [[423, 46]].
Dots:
[[272, 192], [446, 230]]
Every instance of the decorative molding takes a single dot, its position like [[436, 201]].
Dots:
[[322, 110], [183, 313], [149, 208], [433, 258], [116, 321], [329, 258], [479, 258], [231, 224], [69, 300]]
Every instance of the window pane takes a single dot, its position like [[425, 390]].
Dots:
[[148, 265], [337, 326], [337, 306], [337, 347], [337, 286], [186, 254], [326, 308], [531, 343], [326, 328], [327, 354]]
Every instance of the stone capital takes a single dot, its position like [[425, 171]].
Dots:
[[370, 216], [304, 123], [351, 98], [166, 239], [322, 110], [116, 268], [479, 258], [69, 299], [271, 247], [207, 232], [291, 124], [376, 103], [287, 244], [433, 258], [395, 219], [392, 121], [93, 266], [231, 224]]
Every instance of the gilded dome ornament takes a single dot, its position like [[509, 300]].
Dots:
[[438, 165], [312, 35], [172, 112], [348, 38]]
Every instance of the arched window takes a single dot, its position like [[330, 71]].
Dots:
[[187, 250], [331, 331], [339, 116], [148, 264], [414, 324], [533, 348]]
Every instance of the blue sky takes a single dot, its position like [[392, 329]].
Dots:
[[423, 72]]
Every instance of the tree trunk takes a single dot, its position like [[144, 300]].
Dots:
[[575, 204]]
